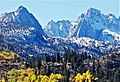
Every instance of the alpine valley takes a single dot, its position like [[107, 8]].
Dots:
[[93, 33], [85, 50]]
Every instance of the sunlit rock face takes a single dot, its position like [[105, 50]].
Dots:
[[90, 24]]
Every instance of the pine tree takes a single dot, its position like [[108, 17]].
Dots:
[[57, 57], [47, 57], [52, 58], [93, 66], [97, 67]]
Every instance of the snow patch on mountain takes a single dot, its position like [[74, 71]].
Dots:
[[108, 35]]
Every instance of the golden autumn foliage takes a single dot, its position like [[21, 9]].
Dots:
[[27, 75], [85, 77], [8, 55]]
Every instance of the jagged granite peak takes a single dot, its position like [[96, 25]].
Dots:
[[92, 12], [22, 8], [25, 17], [22, 27], [93, 22], [59, 28], [22, 16]]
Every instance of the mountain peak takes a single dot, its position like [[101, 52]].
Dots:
[[21, 9], [93, 11], [21, 16]]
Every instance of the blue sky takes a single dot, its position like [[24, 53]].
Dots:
[[46, 10]]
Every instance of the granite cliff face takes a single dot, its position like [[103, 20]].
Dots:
[[21, 26], [92, 24]]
